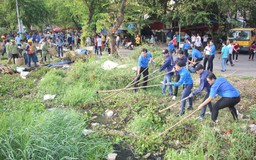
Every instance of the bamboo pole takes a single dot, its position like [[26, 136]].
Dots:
[[130, 84], [124, 89], [164, 132], [155, 77], [174, 104]]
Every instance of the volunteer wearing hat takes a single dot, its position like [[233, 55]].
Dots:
[[229, 96], [168, 66], [204, 85], [31, 53], [143, 62], [187, 82]]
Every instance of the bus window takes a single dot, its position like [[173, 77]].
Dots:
[[239, 35]]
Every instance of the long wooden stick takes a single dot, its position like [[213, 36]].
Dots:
[[174, 104], [164, 132], [231, 73], [154, 77], [124, 89], [130, 84]]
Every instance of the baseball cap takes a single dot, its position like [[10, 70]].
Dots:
[[165, 51], [199, 66]]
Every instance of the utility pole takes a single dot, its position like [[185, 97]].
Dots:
[[18, 17]]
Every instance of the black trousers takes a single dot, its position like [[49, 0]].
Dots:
[[223, 103], [176, 78], [206, 58], [230, 59], [210, 63], [251, 56], [235, 53], [144, 71]]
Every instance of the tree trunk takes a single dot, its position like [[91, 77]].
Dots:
[[113, 30]]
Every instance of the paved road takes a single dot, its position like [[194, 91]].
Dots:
[[242, 68]]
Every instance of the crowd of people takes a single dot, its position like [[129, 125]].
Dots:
[[28, 45]]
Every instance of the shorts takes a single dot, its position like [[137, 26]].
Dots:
[[15, 55]]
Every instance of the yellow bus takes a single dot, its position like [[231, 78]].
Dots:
[[244, 37]]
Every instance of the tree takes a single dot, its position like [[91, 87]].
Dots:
[[113, 30]]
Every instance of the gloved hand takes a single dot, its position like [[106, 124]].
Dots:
[[191, 95], [155, 71]]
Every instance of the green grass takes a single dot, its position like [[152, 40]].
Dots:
[[53, 134]]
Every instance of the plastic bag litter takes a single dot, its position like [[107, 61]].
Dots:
[[24, 75], [49, 97], [108, 65]]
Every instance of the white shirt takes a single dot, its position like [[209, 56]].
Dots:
[[205, 38], [207, 50], [117, 39], [230, 48], [193, 38], [198, 43], [99, 41], [199, 38]]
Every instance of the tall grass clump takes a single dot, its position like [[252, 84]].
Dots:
[[53, 135], [78, 86]]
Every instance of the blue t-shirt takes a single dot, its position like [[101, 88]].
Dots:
[[143, 61], [171, 47], [213, 50], [203, 83], [168, 64], [224, 52], [186, 46], [17, 39], [223, 88], [27, 37], [185, 77], [196, 54]]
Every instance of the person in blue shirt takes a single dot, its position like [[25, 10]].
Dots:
[[168, 67], [171, 47], [196, 55], [230, 96], [34, 37], [17, 39], [204, 85], [142, 68], [183, 58], [185, 47], [28, 37], [186, 36], [187, 82], [224, 57], [212, 55], [59, 42]]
